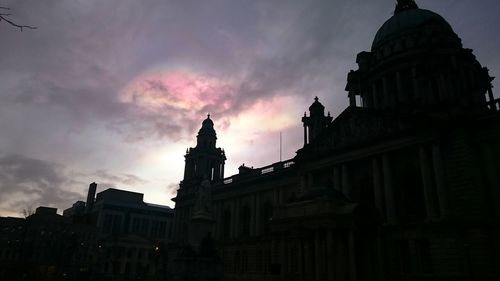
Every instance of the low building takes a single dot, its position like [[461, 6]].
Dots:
[[131, 234], [45, 245]]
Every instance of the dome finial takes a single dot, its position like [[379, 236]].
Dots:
[[403, 5], [208, 116]]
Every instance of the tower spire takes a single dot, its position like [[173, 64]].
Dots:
[[403, 5], [205, 160], [316, 121]]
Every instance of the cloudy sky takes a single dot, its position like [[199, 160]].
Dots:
[[114, 91]]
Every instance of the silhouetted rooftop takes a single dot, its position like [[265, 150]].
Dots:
[[408, 21]]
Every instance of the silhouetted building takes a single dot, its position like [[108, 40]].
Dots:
[[402, 185], [78, 209], [130, 233], [45, 246], [11, 241]]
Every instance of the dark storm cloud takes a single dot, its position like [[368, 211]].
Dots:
[[83, 57], [102, 176], [87, 51], [27, 181]]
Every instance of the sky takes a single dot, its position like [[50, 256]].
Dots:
[[114, 91]]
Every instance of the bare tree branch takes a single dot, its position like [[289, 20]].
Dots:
[[28, 211], [4, 18]]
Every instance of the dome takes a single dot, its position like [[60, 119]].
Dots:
[[408, 21], [208, 122], [207, 127], [316, 107]]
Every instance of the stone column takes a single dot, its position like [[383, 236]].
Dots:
[[346, 185], [399, 84], [429, 95], [390, 203], [253, 217], [352, 257], [336, 178], [317, 257], [330, 259], [305, 134], [367, 99], [385, 94], [491, 98], [217, 222], [342, 264], [427, 183], [282, 255], [220, 222], [302, 182], [492, 176], [274, 251], [376, 100], [300, 253], [310, 180], [257, 214], [380, 263], [216, 173], [352, 99], [378, 190], [233, 219], [414, 81], [443, 95], [440, 181]]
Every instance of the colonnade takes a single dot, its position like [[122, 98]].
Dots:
[[235, 207], [433, 183], [327, 255], [401, 86]]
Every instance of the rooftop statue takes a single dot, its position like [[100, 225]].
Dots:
[[403, 5]]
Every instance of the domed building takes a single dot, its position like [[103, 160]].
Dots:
[[417, 64], [403, 185]]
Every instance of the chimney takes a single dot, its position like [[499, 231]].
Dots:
[[90, 197]]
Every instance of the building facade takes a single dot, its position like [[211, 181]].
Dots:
[[45, 246], [131, 235], [403, 185]]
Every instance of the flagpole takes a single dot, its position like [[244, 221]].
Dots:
[[280, 146]]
